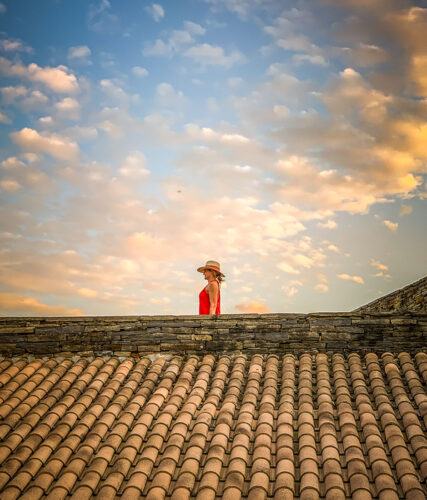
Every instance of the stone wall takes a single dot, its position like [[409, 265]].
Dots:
[[140, 335], [410, 298]]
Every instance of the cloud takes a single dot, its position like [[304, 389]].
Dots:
[[162, 301], [356, 279], [4, 118], [139, 71], [156, 11], [378, 265], [134, 166], [167, 96], [99, 17], [213, 55], [88, 293], [69, 108], [3, 8], [80, 54], [58, 79], [333, 248], [287, 268], [405, 210], [194, 28], [23, 98], [174, 43], [252, 307], [13, 303], [7, 45], [391, 225], [59, 147], [114, 92], [10, 186], [235, 81], [292, 288], [321, 287], [329, 224], [365, 55]]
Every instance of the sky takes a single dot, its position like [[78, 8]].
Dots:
[[285, 139]]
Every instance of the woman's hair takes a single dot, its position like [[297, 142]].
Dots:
[[218, 277]]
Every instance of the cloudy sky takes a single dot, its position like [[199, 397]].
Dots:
[[285, 139]]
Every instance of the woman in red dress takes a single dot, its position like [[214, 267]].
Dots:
[[210, 297]]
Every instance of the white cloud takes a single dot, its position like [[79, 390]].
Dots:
[[100, 18], [333, 248], [139, 71], [329, 224], [69, 108], [254, 306], [4, 118], [13, 303], [356, 279], [156, 11], [235, 81], [134, 166], [321, 287], [405, 210], [213, 55], [194, 28], [316, 60], [161, 301], [287, 268], [80, 54], [378, 265], [27, 100], [176, 42], [10, 186], [114, 92], [58, 79], [14, 46], [57, 146], [89, 293], [167, 96], [391, 225]]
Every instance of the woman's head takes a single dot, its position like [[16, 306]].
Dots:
[[212, 270]]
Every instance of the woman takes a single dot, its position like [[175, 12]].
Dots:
[[209, 297]]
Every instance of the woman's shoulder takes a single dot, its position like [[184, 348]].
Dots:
[[213, 284]]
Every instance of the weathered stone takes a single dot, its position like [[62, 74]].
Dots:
[[201, 337]]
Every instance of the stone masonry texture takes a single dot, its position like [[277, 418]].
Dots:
[[251, 333], [410, 298]]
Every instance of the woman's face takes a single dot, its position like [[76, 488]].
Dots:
[[208, 274]]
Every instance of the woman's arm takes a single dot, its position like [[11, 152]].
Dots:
[[213, 292]]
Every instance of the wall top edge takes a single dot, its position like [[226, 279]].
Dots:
[[352, 314]]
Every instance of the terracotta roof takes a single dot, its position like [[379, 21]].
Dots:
[[278, 426]]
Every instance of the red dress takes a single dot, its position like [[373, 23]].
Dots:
[[204, 302]]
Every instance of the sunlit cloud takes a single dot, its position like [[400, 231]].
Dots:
[[405, 210], [391, 225], [12, 303], [80, 54], [253, 306], [57, 79], [7, 45], [59, 147], [378, 265], [356, 279], [156, 11]]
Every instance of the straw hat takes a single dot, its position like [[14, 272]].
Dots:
[[211, 264]]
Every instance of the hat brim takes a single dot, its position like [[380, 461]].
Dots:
[[203, 268]]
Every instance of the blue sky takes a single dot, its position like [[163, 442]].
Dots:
[[287, 140]]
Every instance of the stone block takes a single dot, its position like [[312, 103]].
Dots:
[[201, 337]]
